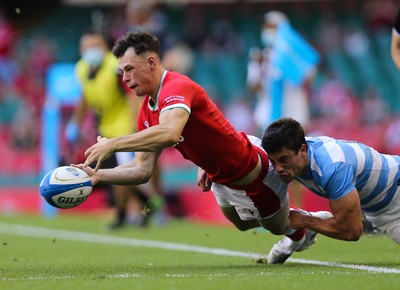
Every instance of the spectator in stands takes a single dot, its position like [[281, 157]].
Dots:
[[334, 101], [277, 93], [9, 37], [263, 74], [116, 111], [391, 138], [395, 46]]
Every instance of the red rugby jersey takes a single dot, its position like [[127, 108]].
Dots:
[[208, 139]]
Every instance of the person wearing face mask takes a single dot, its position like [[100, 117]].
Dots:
[[104, 93], [278, 93], [269, 82]]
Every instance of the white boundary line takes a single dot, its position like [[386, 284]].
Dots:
[[38, 232]]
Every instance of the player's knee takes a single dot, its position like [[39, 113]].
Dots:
[[276, 228], [276, 231], [244, 225]]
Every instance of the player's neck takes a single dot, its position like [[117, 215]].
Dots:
[[159, 76]]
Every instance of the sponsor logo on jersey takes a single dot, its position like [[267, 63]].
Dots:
[[174, 98]]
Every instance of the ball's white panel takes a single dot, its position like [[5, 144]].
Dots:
[[72, 197], [68, 175]]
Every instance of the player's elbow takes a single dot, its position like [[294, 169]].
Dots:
[[354, 234], [146, 176], [172, 137], [140, 177]]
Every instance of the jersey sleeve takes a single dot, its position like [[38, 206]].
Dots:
[[140, 124], [177, 94], [338, 180]]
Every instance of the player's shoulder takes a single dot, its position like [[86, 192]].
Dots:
[[177, 80], [321, 142], [320, 150]]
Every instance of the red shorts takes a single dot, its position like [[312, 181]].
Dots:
[[260, 199]]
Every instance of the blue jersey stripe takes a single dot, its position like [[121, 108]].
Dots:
[[383, 203], [382, 182], [349, 154]]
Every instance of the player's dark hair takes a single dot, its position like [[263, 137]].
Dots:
[[141, 42], [283, 133]]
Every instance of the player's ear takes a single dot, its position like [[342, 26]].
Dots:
[[303, 149], [152, 62]]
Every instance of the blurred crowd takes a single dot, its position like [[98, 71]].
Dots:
[[198, 37]]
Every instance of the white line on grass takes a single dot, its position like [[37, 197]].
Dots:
[[30, 231]]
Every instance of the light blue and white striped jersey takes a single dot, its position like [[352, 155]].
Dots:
[[337, 167]]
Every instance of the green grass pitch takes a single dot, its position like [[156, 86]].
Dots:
[[76, 252]]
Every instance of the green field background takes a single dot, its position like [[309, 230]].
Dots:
[[55, 263]]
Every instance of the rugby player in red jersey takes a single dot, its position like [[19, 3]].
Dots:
[[178, 112]]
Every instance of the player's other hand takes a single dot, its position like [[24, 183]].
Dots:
[[296, 218], [90, 171], [203, 181], [98, 152]]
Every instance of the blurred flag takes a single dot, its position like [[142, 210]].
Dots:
[[292, 60], [292, 55]]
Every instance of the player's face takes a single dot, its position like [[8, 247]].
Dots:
[[137, 72], [288, 164]]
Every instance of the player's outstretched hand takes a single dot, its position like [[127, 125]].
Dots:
[[89, 170], [202, 180], [98, 152], [296, 218]]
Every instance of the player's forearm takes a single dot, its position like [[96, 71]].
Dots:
[[331, 227], [122, 176], [150, 140]]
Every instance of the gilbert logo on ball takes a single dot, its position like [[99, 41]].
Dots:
[[66, 187]]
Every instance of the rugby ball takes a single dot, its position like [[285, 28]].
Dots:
[[65, 187]]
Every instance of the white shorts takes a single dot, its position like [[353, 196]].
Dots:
[[259, 200], [388, 219]]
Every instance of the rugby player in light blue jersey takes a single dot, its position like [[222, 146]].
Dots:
[[354, 177]]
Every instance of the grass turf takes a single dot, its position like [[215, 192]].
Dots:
[[55, 263]]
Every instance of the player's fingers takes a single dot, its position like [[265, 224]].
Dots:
[[98, 164], [88, 151], [99, 138], [88, 161], [80, 165]]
